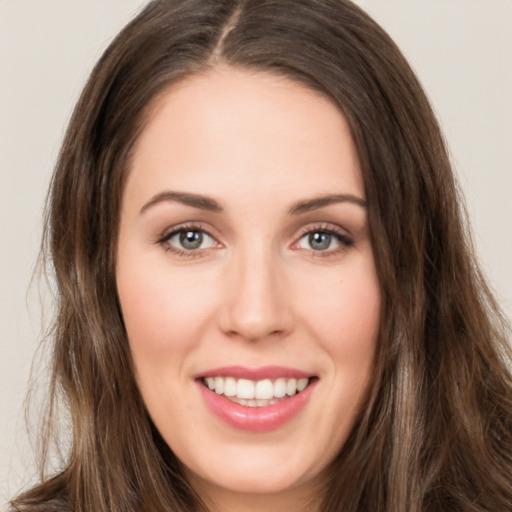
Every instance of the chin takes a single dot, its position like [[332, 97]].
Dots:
[[257, 470]]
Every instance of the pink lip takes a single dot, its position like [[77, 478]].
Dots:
[[255, 419], [264, 372]]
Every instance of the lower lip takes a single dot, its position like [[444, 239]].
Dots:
[[256, 419]]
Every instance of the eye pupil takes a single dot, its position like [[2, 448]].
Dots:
[[319, 241], [191, 239]]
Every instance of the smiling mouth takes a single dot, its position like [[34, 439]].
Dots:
[[260, 393]]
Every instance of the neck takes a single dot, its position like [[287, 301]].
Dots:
[[259, 503], [304, 498]]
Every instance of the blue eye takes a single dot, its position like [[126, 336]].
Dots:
[[323, 241], [187, 239], [320, 241]]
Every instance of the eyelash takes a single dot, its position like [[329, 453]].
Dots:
[[345, 241], [165, 237]]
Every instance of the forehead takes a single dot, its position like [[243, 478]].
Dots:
[[243, 131]]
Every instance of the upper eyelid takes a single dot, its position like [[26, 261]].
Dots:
[[192, 226], [304, 230], [324, 226], [165, 241]]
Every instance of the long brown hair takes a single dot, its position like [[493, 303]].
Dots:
[[436, 432]]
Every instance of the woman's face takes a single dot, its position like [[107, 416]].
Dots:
[[247, 281]]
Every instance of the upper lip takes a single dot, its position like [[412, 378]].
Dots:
[[250, 373]]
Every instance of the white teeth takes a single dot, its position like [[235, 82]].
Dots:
[[255, 393], [230, 386], [279, 388], [264, 389], [219, 385], [244, 388], [291, 387], [301, 384]]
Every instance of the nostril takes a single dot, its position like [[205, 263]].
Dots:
[[254, 323]]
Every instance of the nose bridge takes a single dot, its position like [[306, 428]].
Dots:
[[256, 305]]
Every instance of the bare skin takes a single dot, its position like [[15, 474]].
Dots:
[[244, 242]]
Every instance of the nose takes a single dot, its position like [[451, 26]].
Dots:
[[257, 304]]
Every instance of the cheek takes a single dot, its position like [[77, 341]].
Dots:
[[344, 308], [157, 309], [345, 322]]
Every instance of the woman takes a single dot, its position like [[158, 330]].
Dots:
[[267, 300]]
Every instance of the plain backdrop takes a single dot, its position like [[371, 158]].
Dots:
[[460, 49]]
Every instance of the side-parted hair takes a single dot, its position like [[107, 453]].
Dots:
[[435, 434]]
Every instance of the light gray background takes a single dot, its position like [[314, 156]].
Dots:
[[461, 50]]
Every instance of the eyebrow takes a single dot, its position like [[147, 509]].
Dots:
[[207, 203], [319, 202], [194, 200]]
